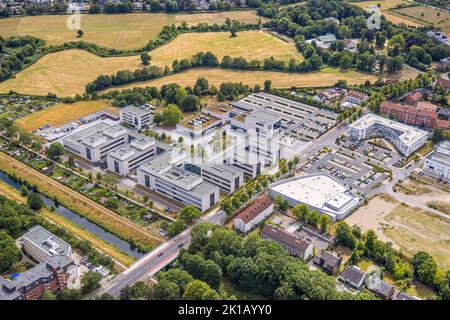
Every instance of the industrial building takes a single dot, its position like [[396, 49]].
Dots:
[[319, 192], [41, 244], [406, 139]]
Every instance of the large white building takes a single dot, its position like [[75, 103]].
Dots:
[[226, 177], [42, 244], [407, 139], [128, 157], [438, 163], [95, 142], [137, 117], [319, 192], [171, 175]]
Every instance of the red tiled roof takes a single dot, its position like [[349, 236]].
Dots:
[[397, 107], [443, 124], [427, 106], [413, 97], [357, 94], [444, 82], [254, 209]]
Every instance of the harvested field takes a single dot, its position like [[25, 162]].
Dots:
[[60, 114], [247, 44], [66, 73], [120, 31]]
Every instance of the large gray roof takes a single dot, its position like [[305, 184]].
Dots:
[[47, 241]]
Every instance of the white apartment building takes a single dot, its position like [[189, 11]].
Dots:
[[253, 214], [438, 163], [406, 139], [41, 244], [95, 142], [137, 117], [129, 157], [170, 175]]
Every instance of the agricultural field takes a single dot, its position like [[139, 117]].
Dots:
[[427, 16], [248, 44], [60, 114], [66, 73], [120, 31], [325, 77], [386, 5]]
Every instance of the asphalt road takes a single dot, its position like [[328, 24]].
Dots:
[[158, 258]]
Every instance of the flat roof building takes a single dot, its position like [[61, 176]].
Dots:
[[95, 142], [137, 117], [42, 244], [319, 192], [169, 175], [198, 125], [295, 245], [407, 139], [129, 157], [253, 214], [438, 163], [227, 178], [48, 276]]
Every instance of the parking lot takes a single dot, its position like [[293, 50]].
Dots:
[[376, 152], [350, 169]]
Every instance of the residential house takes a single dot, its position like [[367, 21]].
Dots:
[[328, 261], [353, 277]]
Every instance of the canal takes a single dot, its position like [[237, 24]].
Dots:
[[79, 220]]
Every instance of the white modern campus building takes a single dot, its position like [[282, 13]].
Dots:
[[171, 175], [319, 192], [406, 139], [137, 117], [95, 142], [438, 163], [42, 244]]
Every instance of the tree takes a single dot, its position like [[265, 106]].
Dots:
[[324, 222], [282, 204], [9, 252], [24, 191], [190, 103], [199, 290], [189, 214], [55, 150], [172, 115], [178, 276], [424, 267], [267, 85], [69, 294], [344, 235], [48, 296], [312, 218], [346, 61], [166, 290], [145, 58], [176, 227], [300, 211], [35, 202], [90, 282]]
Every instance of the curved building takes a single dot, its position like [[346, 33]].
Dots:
[[319, 192]]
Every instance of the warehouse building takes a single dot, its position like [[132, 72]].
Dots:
[[407, 139], [319, 192]]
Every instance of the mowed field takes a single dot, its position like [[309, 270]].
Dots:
[[430, 16], [120, 31], [390, 16], [248, 44], [325, 77], [60, 114], [67, 72]]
